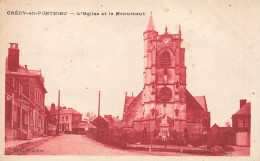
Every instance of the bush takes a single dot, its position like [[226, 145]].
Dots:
[[217, 150]]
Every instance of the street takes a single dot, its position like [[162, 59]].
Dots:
[[82, 145], [74, 145]]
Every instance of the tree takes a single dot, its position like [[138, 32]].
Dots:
[[89, 117], [227, 124]]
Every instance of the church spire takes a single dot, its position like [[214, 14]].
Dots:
[[150, 25]]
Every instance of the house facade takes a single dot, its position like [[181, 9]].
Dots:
[[66, 117], [24, 99], [241, 123]]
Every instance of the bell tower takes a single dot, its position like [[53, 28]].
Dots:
[[164, 93]]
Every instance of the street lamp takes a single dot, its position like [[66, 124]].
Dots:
[[153, 111], [177, 114]]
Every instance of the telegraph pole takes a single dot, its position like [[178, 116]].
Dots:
[[98, 115], [58, 122]]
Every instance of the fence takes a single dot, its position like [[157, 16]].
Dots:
[[118, 138]]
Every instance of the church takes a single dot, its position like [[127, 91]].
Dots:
[[165, 106]]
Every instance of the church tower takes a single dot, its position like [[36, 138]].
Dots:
[[164, 97]]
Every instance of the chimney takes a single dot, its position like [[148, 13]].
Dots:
[[132, 94], [64, 108], [13, 57], [242, 102], [126, 94], [25, 66]]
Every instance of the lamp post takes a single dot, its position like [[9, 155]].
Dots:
[[153, 111], [177, 119]]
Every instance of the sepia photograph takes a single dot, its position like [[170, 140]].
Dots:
[[130, 78]]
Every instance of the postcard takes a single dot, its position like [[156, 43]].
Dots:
[[125, 79]]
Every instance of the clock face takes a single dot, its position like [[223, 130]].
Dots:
[[166, 40], [165, 94]]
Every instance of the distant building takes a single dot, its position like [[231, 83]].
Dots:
[[100, 122], [241, 123], [115, 124], [108, 125], [50, 123], [82, 127], [221, 136], [67, 117], [165, 107], [24, 99]]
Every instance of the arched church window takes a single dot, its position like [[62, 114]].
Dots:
[[165, 59]]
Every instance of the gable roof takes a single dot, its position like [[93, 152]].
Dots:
[[215, 125], [192, 103], [83, 125], [202, 101], [22, 71], [244, 111], [64, 111], [128, 100], [132, 106], [102, 122], [69, 111]]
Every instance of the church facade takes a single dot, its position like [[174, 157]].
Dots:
[[165, 106]]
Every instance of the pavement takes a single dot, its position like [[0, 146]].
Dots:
[[18, 145], [70, 144], [14, 143]]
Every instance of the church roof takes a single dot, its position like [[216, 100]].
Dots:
[[244, 110], [192, 103], [132, 107], [128, 100], [202, 101], [150, 26], [134, 104]]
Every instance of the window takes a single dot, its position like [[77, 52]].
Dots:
[[239, 123], [31, 116], [66, 118], [165, 59], [246, 122], [62, 119], [35, 96]]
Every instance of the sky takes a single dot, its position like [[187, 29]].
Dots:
[[82, 55]]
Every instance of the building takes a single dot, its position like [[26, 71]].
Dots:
[[241, 123], [82, 127], [108, 126], [50, 123], [165, 107], [67, 117], [114, 124], [221, 136], [24, 99]]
